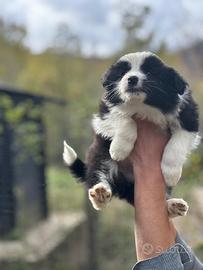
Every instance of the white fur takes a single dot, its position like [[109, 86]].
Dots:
[[102, 191], [112, 121], [123, 86], [106, 126], [177, 207], [175, 153], [138, 108], [69, 155], [121, 129], [136, 59], [124, 139], [119, 126], [100, 195]]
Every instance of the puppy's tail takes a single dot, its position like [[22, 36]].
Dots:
[[76, 166]]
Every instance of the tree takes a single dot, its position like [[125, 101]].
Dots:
[[65, 42], [132, 22], [13, 34]]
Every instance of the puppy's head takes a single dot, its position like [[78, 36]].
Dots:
[[143, 77]]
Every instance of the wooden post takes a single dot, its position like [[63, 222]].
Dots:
[[92, 237]]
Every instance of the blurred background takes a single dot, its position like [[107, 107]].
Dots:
[[52, 57]]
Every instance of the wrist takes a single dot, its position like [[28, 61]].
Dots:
[[147, 171]]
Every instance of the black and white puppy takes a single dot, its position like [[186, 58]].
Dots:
[[138, 84]]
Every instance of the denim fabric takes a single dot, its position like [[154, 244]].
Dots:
[[178, 257]]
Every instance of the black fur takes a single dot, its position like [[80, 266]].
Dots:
[[111, 78], [78, 169], [164, 89], [103, 109], [189, 116], [97, 155], [120, 181], [162, 84]]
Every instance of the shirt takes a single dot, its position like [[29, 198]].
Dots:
[[178, 257]]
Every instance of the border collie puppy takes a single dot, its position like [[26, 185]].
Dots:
[[141, 85]]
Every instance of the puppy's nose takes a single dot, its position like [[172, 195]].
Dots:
[[133, 80]]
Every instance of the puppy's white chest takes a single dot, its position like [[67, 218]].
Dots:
[[112, 121], [144, 111]]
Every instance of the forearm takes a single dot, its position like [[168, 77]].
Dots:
[[154, 232], [158, 246]]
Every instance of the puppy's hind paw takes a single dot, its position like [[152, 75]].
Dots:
[[100, 195], [69, 155], [177, 207]]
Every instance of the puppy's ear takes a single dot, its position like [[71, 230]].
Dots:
[[104, 79], [109, 76], [179, 84]]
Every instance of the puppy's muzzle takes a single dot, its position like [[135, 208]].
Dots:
[[132, 84]]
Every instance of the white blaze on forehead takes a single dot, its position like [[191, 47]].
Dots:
[[136, 59]]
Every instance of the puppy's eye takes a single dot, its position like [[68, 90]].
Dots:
[[116, 72]]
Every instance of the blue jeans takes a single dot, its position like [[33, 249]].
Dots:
[[178, 257]]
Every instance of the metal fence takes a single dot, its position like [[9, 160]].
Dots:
[[22, 160]]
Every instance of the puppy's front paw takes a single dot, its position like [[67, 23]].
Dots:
[[119, 150], [177, 207], [172, 174], [100, 195]]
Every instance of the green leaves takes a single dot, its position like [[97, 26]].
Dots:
[[23, 120]]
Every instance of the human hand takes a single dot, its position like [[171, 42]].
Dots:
[[148, 150]]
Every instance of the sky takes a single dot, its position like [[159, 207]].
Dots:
[[98, 22]]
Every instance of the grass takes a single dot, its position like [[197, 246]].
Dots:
[[199, 251], [192, 177], [116, 248], [63, 191], [64, 194], [116, 245], [15, 266]]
